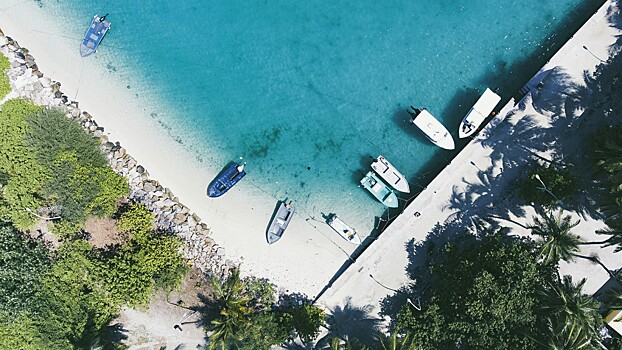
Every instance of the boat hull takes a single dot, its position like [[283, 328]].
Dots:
[[279, 222], [478, 113], [94, 35], [379, 190], [433, 130], [390, 174], [345, 231], [225, 180]]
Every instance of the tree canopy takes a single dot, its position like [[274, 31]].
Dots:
[[481, 294]]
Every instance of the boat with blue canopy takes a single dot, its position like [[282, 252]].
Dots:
[[226, 179], [94, 35]]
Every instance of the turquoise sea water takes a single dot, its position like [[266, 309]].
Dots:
[[307, 91]]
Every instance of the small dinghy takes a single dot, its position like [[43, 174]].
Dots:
[[390, 174], [226, 179], [381, 191], [432, 128], [279, 222], [94, 35], [478, 113], [345, 231]]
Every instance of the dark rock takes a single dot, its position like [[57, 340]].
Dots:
[[140, 169]]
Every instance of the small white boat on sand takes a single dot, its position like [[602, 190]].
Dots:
[[390, 174], [345, 231], [478, 113], [432, 128]]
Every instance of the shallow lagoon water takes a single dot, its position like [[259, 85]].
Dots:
[[305, 92]]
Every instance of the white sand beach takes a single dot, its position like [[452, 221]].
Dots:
[[302, 261]]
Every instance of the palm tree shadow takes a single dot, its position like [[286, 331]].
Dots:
[[351, 322]]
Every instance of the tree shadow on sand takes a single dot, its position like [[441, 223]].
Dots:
[[351, 322]]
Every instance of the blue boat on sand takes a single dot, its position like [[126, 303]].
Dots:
[[226, 179], [94, 35]]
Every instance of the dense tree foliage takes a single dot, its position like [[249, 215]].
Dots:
[[23, 263], [49, 160], [5, 86], [560, 182], [149, 260], [481, 295], [244, 315], [66, 301], [608, 159], [25, 176]]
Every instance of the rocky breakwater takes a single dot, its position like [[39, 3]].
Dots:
[[28, 82]]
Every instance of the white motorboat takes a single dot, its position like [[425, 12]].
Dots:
[[390, 174], [345, 231], [432, 128], [478, 113]]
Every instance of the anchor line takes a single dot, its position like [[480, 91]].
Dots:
[[79, 79], [302, 207]]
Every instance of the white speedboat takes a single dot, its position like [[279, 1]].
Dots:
[[478, 113], [432, 128], [345, 231], [390, 174]]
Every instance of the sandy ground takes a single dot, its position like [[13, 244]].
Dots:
[[302, 260], [154, 327], [451, 194]]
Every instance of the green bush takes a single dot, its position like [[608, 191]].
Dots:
[[5, 86], [24, 176], [149, 260], [560, 182]]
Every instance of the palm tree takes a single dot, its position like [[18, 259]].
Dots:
[[574, 316], [558, 243], [564, 338], [395, 342], [231, 303], [352, 322], [615, 238], [350, 344]]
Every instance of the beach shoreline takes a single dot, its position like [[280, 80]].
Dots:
[[301, 261]]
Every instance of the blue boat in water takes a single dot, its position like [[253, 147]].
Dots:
[[226, 179], [94, 35]]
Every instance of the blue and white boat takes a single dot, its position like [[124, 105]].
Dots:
[[94, 35], [226, 179], [279, 222], [381, 191], [345, 231]]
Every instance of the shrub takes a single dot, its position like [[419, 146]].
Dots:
[[5, 86], [23, 175]]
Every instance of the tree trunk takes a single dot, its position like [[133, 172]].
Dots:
[[510, 220]]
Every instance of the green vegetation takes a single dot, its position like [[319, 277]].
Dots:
[[65, 299], [242, 315], [608, 159], [149, 260], [48, 160], [488, 287], [561, 181], [5, 86]]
